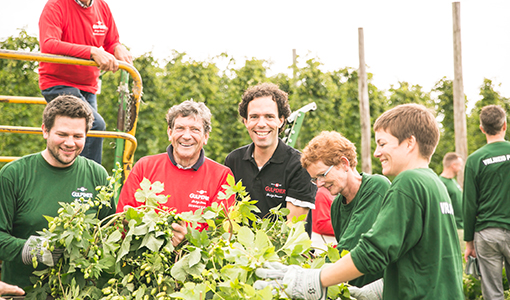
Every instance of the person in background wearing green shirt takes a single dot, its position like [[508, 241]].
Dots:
[[452, 165], [331, 161], [486, 203], [33, 186], [414, 237]]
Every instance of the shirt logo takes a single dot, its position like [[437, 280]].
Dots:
[[496, 159], [99, 28], [199, 199], [446, 208], [276, 188], [81, 192]]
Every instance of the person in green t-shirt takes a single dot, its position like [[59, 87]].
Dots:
[[452, 165], [331, 161], [33, 186], [486, 203], [414, 237]]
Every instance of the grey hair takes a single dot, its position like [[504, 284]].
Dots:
[[190, 108]]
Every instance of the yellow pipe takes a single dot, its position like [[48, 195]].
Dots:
[[92, 133], [130, 146], [8, 158], [22, 100]]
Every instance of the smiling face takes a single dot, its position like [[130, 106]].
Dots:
[[187, 137], [263, 123], [335, 181], [394, 157], [64, 141]]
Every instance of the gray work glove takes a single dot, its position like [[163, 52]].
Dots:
[[372, 291], [35, 245], [299, 283]]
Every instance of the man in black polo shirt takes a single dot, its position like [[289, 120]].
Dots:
[[270, 169]]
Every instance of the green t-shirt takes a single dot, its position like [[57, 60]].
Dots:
[[351, 220], [455, 193], [414, 240], [31, 188], [486, 197]]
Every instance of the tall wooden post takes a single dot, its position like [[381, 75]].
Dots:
[[294, 62], [366, 152], [459, 102]]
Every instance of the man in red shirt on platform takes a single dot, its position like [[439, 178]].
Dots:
[[83, 29], [191, 179]]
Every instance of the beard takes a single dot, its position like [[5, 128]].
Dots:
[[62, 159]]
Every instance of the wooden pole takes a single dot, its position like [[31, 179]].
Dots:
[[459, 102], [366, 152], [294, 63]]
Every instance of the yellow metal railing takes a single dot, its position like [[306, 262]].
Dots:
[[38, 130], [129, 136], [24, 100]]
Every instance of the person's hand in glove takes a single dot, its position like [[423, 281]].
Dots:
[[37, 245], [372, 291], [299, 283]]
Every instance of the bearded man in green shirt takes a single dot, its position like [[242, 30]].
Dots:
[[33, 186], [486, 203], [414, 237]]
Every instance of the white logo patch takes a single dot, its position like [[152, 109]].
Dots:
[[446, 208]]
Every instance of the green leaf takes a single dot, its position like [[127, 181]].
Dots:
[[114, 237], [194, 257], [48, 218], [157, 187], [152, 243], [298, 240], [124, 248], [246, 236], [134, 214], [231, 180], [145, 185], [106, 262], [262, 241], [178, 271]]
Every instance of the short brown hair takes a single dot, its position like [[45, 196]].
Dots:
[[492, 119], [67, 106], [329, 147], [265, 90], [449, 158], [190, 108], [406, 120]]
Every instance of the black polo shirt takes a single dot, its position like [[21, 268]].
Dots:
[[281, 179]]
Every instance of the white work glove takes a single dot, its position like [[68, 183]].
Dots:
[[372, 291], [35, 244], [299, 283]]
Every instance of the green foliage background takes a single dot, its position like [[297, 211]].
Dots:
[[179, 77]]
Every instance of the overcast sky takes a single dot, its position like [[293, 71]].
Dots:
[[405, 40]]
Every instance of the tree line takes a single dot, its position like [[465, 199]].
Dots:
[[179, 77]]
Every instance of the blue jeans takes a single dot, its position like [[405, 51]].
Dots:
[[93, 148]]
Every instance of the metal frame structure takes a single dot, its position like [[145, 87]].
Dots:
[[128, 136], [295, 121]]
